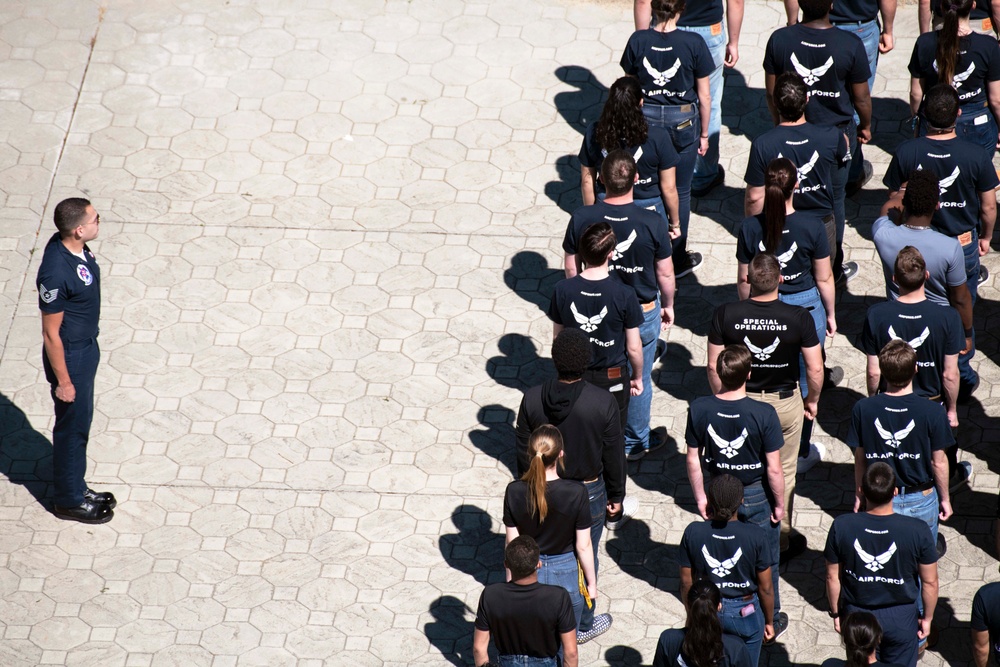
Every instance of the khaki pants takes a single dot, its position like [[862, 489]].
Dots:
[[790, 416]]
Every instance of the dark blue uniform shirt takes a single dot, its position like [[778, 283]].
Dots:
[[70, 285]]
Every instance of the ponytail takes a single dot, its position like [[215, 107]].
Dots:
[[946, 54], [702, 644], [544, 447], [862, 635], [779, 184], [664, 10]]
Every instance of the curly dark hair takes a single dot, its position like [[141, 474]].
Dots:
[[922, 193], [571, 354], [941, 106], [622, 124]]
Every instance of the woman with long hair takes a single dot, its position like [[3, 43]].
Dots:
[[701, 643], [862, 635], [622, 125], [673, 68], [967, 61], [556, 513]]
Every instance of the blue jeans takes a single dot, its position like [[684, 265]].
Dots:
[[706, 167], [598, 508], [527, 661], [637, 425], [748, 628], [756, 509], [869, 32], [653, 204], [685, 142], [920, 507], [967, 376], [840, 179], [984, 134], [561, 570], [71, 432], [808, 299]]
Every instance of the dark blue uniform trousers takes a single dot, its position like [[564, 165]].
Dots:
[[899, 633], [72, 428]]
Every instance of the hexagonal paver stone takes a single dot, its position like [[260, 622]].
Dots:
[[183, 655], [195, 613], [315, 641], [159, 588], [230, 638], [60, 633]]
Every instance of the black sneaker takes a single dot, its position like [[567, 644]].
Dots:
[[984, 274], [720, 177], [796, 547], [866, 175], [780, 626], [850, 270], [694, 260]]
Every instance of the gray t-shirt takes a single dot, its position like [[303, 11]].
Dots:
[[942, 254]]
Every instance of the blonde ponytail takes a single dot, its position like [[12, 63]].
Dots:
[[544, 447]]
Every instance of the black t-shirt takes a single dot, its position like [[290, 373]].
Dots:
[[963, 169], [850, 11], [642, 241], [903, 431], [729, 553], [568, 512], [734, 437], [802, 240], [933, 331], [70, 285], [775, 333], [828, 59], [668, 651], [668, 64], [657, 154], [880, 557], [986, 615], [978, 63], [701, 13], [815, 150], [604, 309], [980, 9], [526, 619]]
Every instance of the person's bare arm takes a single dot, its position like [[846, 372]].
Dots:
[[862, 98], [873, 375], [939, 462], [981, 647], [56, 354], [769, 94], [668, 289], [823, 274], [987, 218], [887, 8], [949, 379], [742, 286], [642, 13], [481, 646], [791, 12], [556, 329], [686, 581], [633, 348], [894, 204], [571, 656], [833, 590], [734, 24], [916, 94], [924, 15], [588, 185], [814, 379], [512, 534], [668, 193], [961, 300], [705, 109], [697, 480], [585, 554], [765, 592], [713, 375], [753, 200], [929, 594], [859, 474], [571, 265], [776, 480]]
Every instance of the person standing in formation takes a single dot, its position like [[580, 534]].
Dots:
[[862, 635], [702, 642]]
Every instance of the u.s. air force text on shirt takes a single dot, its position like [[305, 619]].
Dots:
[[734, 437]]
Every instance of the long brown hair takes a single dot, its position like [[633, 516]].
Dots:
[[946, 54], [544, 447], [621, 118], [779, 184]]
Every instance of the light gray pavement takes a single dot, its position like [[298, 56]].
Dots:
[[328, 232]]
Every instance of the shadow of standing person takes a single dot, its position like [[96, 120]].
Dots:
[[451, 630], [25, 454]]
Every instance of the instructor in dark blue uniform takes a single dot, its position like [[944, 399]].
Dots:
[[69, 296]]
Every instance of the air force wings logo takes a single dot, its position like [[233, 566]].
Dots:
[[664, 77], [722, 568], [894, 439], [729, 448], [948, 181], [874, 563], [802, 173], [785, 257], [960, 77], [47, 295], [762, 353], [811, 76], [622, 247], [916, 342], [588, 324]]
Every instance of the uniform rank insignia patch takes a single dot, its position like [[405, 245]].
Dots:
[[84, 274], [47, 295]]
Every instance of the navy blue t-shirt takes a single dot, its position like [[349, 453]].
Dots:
[[880, 557], [853, 11], [815, 150], [802, 240], [730, 553], [963, 169], [903, 431], [933, 331], [70, 285], [642, 241], [668, 651], [701, 13], [668, 65], [603, 309], [734, 437], [657, 154], [978, 63], [986, 615], [828, 59]]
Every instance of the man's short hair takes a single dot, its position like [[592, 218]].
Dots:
[[878, 484], [596, 244], [941, 106], [790, 95], [815, 9], [764, 273], [922, 193], [618, 172], [70, 214], [521, 556], [733, 366], [571, 354], [897, 362], [910, 270]]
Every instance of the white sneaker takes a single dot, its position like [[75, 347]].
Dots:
[[816, 453], [629, 505]]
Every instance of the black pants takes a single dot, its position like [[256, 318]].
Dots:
[[615, 380]]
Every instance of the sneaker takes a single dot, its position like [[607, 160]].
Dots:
[[635, 454], [796, 547], [866, 175], [780, 626], [942, 545], [629, 505], [694, 260], [850, 270], [984, 274], [720, 177], [833, 377], [806, 463], [602, 623], [960, 479]]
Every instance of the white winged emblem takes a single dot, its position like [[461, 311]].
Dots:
[[47, 295], [874, 563], [721, 568], [785, 257], [622, 247], [636, 155], [664, 77], [811, 76], [729, 448], [916, 342], [762, 353], [893, 439], [960, 77], [947, 181], [588, 324], [802, 173]]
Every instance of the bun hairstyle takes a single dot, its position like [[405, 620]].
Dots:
[[725, 494], [779, 184], [621, 123], [544, 447], [862, 635], [664, 10], [702, 644], [946, 55]]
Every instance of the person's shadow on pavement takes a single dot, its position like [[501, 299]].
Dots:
[[25, 454], [475, 550], [451, 632]]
